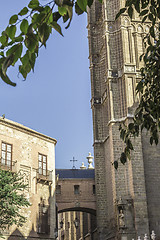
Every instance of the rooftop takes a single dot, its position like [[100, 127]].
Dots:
[[75, 173], [8, 123]]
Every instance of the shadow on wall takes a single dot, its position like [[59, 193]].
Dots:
[[41, 228], [16, 235]]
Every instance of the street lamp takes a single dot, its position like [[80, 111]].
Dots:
[[76, 222]]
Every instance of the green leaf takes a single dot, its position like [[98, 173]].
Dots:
[[152, 32], [24, 26], [50, 19], [127, 152], [152, 9], [26, 65], [3, 39], [115, 164], [33, 4], [62, 10], [13, 49], [18, 39], [82, 4], [68, 2], [18, 53], [13, 19], [70, 11], [131, 126], [12, 31], [139, 87], [144, 19], [23, 71], [65, 18], [130, 12], [32, 60], [123, 158], [156, 141], [122, 10], [24, 11], [153, 3], [57, 27], [70, 14], [7, 62], [6, 79], [158, 12], [47, 9], [31, 42], [44, 32], [56, 16], [151, 140], [122, 134], [40, 18], [129, 144], [144, 12], [25, 59], [137, 6], [2, 54], [89, 3], [150, 16], [78, 10], [34, 18], [128, 3]]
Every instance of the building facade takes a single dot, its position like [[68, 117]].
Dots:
[[76, 203], [32, 154], [127, 198]]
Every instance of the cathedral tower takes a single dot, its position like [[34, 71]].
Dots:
[[127, 198]]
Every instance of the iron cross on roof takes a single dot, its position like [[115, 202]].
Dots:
[[73, 160]]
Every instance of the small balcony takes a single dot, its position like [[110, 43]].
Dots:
[[44, 176], [8, 167]]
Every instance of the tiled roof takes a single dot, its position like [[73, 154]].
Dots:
[[75, 173]]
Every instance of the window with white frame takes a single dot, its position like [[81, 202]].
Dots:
[[42, 164], [6, 154]]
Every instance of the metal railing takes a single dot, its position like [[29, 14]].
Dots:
[[11, 167], [44, 177]]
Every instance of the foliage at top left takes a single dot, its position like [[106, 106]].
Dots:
[[30, 29]]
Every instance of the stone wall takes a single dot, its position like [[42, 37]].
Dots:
[[127, 198], [26, 145], [68, 199]]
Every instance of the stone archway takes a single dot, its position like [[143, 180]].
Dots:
[[76, 223], [76, 200]]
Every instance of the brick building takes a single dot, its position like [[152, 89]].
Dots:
[[127, 199], [76, 203], [33, 155]]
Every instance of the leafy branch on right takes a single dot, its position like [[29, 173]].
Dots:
[[147, 114]]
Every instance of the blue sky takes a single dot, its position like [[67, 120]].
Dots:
[[55, 99]]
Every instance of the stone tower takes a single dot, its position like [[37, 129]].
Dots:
[[127, 198]]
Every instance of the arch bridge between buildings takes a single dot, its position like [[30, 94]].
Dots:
[[76, 203], [79, 209]]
